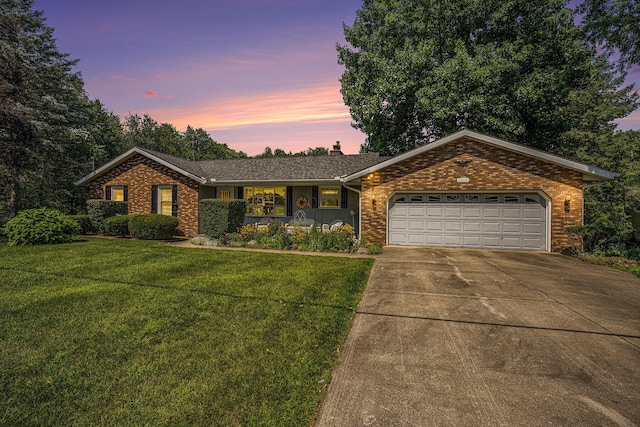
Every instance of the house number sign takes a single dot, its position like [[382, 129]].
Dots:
[[465, 179]]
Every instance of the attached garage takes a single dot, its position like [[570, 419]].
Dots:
[[490, 221], [474, 191]]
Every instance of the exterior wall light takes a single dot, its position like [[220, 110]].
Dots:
[[567, 202]]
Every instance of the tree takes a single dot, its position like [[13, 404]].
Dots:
[[613, 25], [279, 152], [416, 71], [41, 100]]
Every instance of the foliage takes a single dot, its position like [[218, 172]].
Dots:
[[240, 338], [193, 144], [84, 221], [416, 71], [40, 226], [42, 105], [374, 248], [153, 226], [116, 225], [279, 152], [99, 210], [220, 216], [614, 26]]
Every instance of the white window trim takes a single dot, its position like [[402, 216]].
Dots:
[[117, 187]]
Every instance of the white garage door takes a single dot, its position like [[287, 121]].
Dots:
[[492, 221]]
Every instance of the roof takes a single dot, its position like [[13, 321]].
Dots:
[[307, 168], [590, 173]]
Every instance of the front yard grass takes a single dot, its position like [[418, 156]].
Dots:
[[117, 332]]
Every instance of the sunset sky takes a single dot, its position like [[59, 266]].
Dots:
[[253, 73]]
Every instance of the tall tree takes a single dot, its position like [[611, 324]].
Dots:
[[41, 100], [418, 70], [614, 25]]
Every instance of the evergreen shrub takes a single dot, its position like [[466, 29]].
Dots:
[[99, 210], [221, 216], [40, 226], [117, 225], [153, 226], [84, 221]]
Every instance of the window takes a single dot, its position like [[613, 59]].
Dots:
[[225, 194], [511, 198], [265, 201], [165, 200], [330, 197], [117, 193]]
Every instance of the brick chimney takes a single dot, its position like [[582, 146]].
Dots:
[[335, 151]]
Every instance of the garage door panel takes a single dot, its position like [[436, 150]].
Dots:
[[416, 225], [472, 226], [491, 227], [475, 221], [513, 213], [453, 226], [512, 227], [435, 225]]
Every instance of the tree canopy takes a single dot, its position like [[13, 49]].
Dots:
[[521, 70]]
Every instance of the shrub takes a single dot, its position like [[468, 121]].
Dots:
[[153, 226], [221, 216], [99, 210], [117, 225], [375, 248], [40, 226], [84, 221]]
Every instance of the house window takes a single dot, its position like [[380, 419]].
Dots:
[[266, 201], [330, 197], [117, 193], [165, 200], [225, 194]]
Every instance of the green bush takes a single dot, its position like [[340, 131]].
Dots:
[[221, 216], [117, 225], [153, 226], [375, 248], [84, 221], [99, 210], [40, 226]]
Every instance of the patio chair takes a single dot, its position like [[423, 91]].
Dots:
[[300, 218]]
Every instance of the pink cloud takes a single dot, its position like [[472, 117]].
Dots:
[[150, 94]]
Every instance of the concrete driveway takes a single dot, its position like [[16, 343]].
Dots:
[[470, 337]]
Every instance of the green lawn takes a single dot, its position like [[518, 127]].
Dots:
[[117, 332]]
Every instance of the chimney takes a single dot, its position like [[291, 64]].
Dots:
[[336, 150]]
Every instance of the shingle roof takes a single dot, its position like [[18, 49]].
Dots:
[[308, 168], [288, 168]]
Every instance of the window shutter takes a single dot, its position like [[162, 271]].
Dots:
[[344, 197], [314, 197], [174, 200], [240, 193], [126, 193], [107, 191], [215, 193], [154, 199], [289, 201]]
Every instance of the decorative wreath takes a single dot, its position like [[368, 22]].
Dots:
[[302, 202]]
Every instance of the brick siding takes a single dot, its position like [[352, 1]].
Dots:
[[139, 173], [491, 169]]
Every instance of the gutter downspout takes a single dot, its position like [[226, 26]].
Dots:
[[359, 206]]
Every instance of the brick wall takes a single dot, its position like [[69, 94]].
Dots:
[[139, 173], [490, 169]]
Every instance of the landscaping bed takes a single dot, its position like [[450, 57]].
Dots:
[[128, 332]]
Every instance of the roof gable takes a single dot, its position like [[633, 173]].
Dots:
[[590, 173]]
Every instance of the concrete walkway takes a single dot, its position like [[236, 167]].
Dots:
[[468, 338]]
